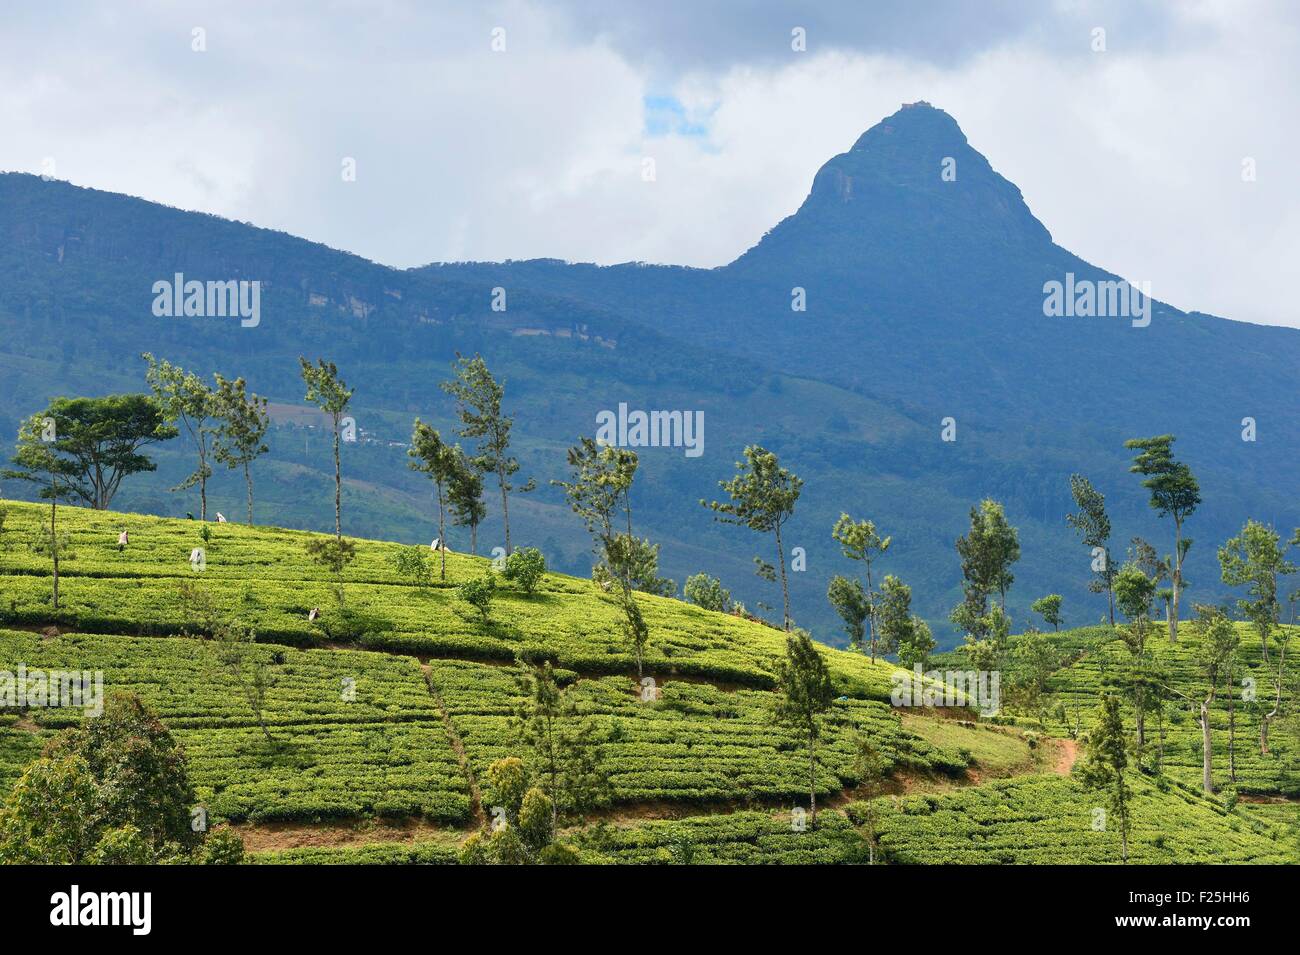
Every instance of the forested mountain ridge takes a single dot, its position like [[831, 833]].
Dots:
[[924, 301]]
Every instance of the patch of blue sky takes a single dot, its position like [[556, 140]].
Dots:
[[667, 116]]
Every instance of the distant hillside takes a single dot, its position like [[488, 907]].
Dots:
[[924, 301]]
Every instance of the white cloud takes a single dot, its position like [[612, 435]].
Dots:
[[1131, 158]]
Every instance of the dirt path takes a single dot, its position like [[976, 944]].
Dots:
[[457, 747], [1067, 751], [274, 836]]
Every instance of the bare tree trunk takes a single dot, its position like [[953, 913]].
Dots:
[[1268, 717], [248, 482], [812, 777], [54, 541], [871, 612], [442, 534], [338, 486], [505, 509], [1232, 738], [785, 586], [1207, 783], [1177, 580], [473, 538], [1160, 739]]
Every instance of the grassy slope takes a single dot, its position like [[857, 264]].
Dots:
[[709, 744]]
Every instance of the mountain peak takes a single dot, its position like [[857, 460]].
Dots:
[[910, 184], [913, 122]]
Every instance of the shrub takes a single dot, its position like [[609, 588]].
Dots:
[[536, 819], [525, 568], [479, 593], [707, 592], [412, 564], [506, 785]]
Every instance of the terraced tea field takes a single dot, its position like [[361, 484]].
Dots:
[[395, 707]]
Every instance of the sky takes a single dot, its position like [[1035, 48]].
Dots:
[[502, 130]]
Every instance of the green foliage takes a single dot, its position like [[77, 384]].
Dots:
[[987, 552], [239, 439], [850, 601], [895, 624], [113, 791], [184, 396], [761, 496], [413, 565], [1093, 525], [1105, 762], [1049, 608], [479, 593], [334, 554], [707, 592], [443, 463], [478, 403], [525, 568], [93, 445], [1256, 558]]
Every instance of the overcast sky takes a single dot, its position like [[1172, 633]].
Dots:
[[1132, 157]]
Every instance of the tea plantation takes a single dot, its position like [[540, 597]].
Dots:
[[395, 704]]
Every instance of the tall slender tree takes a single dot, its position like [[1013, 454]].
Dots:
[[1093, 524], [239, 439], [849, 599], [1134, 591], [465, 499], [432, 456], [1105, 762], [478, 402], [330, 393], [1214, 655], [184, 397], [1174, 493], [859, 540], [762, 498], [806, 693], [38, 462], [1256, 558]]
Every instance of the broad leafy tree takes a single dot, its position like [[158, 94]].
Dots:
[[707, 592], [114, 789], [849, 599], [1134, 591], [92, 445]]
